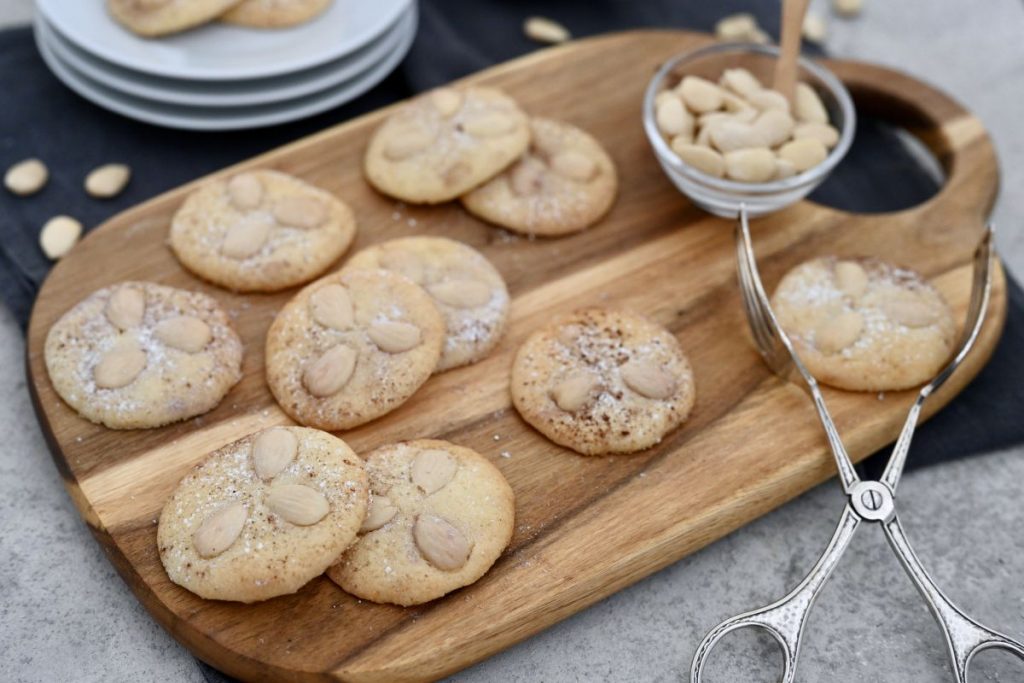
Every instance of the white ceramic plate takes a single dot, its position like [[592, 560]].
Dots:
[[225, 94], [221, 51], [221, 118]]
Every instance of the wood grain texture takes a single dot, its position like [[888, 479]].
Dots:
[[585, 527]]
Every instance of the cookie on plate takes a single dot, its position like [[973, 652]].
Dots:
[[865, 325], [467, 289], [439, 517], [600, 381], [564, 183], [444, 143], [152, 18], [351, 347], [137, 355], [274, 13], [260, 231], [262, 516]]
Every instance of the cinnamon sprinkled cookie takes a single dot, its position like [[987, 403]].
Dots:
[[444, 143], [275, 13], [564, 183], [351, 347], [262, 516], [138, 355], [600, 381], [260, 231], [865, 325], [159, 17], [466, 288], [439, 516]]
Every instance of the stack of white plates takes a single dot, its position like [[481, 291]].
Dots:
[[223, 77]]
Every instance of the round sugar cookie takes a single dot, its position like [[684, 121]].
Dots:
[[600, 381], [260, 231], [564, 183], [351, 347], [152, 18], [137, 355], [468, 291], [865, 325], [439, 517], [444, 143], [274, 13], [262, 516]]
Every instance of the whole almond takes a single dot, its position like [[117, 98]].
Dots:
[[108, 180], [432, 470], [331, 306], [245, 237], [729, 136], [909, 311], [672, 118], [272, 451], [245, 191], [26, 177], [736, 27], [405, 263], [835, 334], [848, 8], [446, 101], [822, 132], [220, 530], [58, 235], [851, 279], [126, 307], [489, 125], [784, 169], [298, 504], [440, 543], [544, 30], [750, 165], [700, 95], [330, 372], [740, 81], [380, 511], [574, 165], [461, 293], [184, 332], [803, 153], [575, 391], [773, 127], [808, 106], [648, 379], [394, 337], [407, 143], [300, 211], [704, 159], [527, 177], [120, 365], [768, 99]]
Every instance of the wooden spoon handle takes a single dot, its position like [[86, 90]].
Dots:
[[793, 12]]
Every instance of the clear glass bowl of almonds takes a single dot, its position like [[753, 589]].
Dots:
[[725, 138]]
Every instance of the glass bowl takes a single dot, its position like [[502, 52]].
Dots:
[[723, 197]]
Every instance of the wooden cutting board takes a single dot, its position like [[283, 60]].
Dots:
[[585, 527]]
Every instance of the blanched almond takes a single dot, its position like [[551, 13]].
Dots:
[[750, 165], [245, 191], [835, 334], [648, 379], [545, 30], [245, 238], [405, 263], [26, 177], [121, 365], [220, 530], [527, 177], [58, 235], [440, 543], [380, 512], [699, 94], [672, 118], [848, 8], [126, 307], [808, 106], [773, 127], [432, 470], [298, 504], [814, 29], [575, 391], [331, 306], [394, 337], [804, 153], [735, 27], [574, 165], [300, 211], [184, 333], [107, 181], [740, 81], [851, 278], [490, 125], [768, 99], [461, 293], [822, 132], [272, 451], [446, 101], [703, 159], [407, 143], [784, 169], [729, 136], [330, 372], [909, 311]]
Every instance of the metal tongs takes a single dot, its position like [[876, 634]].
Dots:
[[867, 501]]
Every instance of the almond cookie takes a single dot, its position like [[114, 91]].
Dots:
[[564, 183], [466, 288], [444, 143], [863, 324], [439, 517], [138, 354], [600, 381], [351, 347], [262, 516], [275, 13], [152, 18], [260, 231]]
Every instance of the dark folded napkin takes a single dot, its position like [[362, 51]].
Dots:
[[40, 117]]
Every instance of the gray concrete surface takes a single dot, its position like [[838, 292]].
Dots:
[[65, 616]]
